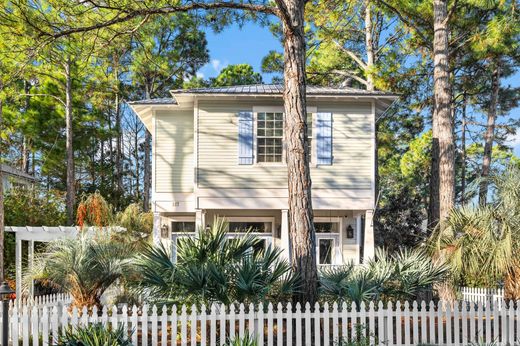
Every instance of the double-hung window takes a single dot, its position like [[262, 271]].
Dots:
[[269, 137]]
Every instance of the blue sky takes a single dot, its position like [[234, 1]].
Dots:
[[252, 42]]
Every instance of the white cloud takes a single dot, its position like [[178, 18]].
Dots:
[[514, 140], [218, 65], [200, 75]]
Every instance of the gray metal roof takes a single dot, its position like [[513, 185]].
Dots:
[[157, 101], [274, 89]]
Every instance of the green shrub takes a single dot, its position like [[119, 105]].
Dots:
[[94, 335], [247, 340]]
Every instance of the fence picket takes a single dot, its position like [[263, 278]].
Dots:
[[45, 326], [317, 324], [34, 326], [326, 324], [398, 324], [154, 321], [279, 324], [203, 325], [134, 324], [308, 334], [144, 325], [260, 325], [175, 325], [184, 326], [390, 324], [298, 323], [193, 325], [289, 325]]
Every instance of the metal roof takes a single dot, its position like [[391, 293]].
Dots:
[[157, 101], [274, 89]]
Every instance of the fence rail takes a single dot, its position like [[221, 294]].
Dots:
[[399, 324]]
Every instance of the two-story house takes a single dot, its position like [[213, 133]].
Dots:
[[220, 152]]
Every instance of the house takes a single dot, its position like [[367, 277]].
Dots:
[[12, 177], [220, 152]]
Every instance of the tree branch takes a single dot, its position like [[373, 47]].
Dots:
[[352, 55], [135, 13], [45, 95]]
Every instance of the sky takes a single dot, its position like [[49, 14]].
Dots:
[[249, 44]]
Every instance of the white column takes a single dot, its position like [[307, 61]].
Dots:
[[359, 224], [30, 257], [200, 219], [156, 228], [284, 234], [18, 265], [368, 251]]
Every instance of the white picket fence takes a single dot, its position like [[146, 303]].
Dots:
[[484, 295], [49, 300], [399, 324]]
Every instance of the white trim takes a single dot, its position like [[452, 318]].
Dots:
[[154, 160], [281, 109], [195, 145], [335, 246], [252, 219], [373, 156]]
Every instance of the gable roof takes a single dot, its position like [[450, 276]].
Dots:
[[157, 101]]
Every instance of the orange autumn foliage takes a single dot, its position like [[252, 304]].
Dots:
[[94, 210]]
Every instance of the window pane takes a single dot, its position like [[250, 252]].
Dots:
[[183, 226], [249, 226], [325, 251], [326, 227], [269, 137]]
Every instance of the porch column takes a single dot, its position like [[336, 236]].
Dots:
[[156, 228], [200, 219], [359, 224], [30, 257], [18, 265], [369, 235], [284, 234]]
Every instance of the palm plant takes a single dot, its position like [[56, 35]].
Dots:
[[94, 335], [85, 266], [212, 267], [482, 243], [400, 276]]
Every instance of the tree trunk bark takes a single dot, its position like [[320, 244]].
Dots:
[[71, 188], [369, 46], [463, 149], [301, 226], [442, 181], [489, 135], [1, 203], [119, 162], [147, 179], [25, 144]]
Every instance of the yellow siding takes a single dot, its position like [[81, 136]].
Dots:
[[217, 149], [174, 167]]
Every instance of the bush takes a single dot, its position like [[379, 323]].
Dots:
[[214, 268], [401, 276], [94, 335]]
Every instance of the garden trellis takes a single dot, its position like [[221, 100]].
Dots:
[[413, 323]]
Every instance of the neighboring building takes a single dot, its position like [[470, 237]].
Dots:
[[12, 177], [220, 152]]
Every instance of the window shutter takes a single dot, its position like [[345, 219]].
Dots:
[[245, 138], [324, 138]]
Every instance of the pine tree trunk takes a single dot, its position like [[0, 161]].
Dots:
[[147, 179], [1, 202], [489, 135], [442, 180], [25, 144], [369, 46], [118, 159], [147, 183], [71, 188], [463, 149], [301, 226]]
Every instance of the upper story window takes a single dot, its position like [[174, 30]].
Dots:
[[269, 137], [260, 137]]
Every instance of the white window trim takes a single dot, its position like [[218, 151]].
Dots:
[[253, 219], [337, 253], [279, 109]]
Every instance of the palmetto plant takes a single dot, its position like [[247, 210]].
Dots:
[[483, 242], [94, 335], [85, 266], [212, 267], [399, 276]]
